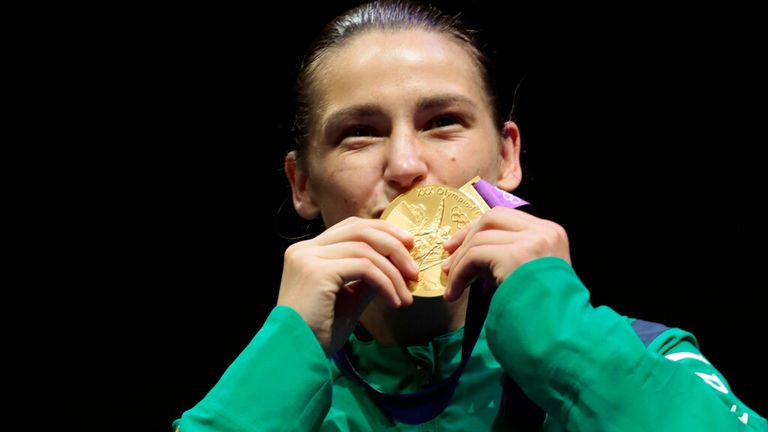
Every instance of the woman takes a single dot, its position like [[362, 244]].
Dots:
[[395, 96]]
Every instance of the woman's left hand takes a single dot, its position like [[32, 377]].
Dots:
[[497, 243]]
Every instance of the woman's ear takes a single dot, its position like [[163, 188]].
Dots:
[[299, 179], [510, 172]]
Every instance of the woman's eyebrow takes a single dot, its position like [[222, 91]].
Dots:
[[443, 100], [369, 110], [348, 113]]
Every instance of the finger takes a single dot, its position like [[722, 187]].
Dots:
[[468, 268], [384, 237], [479, 238], [405, 236], [362, 269], [453, 265], [358, 249], [356, 224], [501, 218], [457, 239], [392, 248]]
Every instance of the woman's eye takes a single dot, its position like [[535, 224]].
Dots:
[[358, 131], [443, 121]]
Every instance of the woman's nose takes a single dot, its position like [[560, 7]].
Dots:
[[406, 166]]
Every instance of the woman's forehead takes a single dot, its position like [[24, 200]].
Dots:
[[379, 63], [402, 44]]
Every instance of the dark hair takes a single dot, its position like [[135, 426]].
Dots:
[[378, 15]]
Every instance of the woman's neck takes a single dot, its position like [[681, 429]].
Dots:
[[417, 324]]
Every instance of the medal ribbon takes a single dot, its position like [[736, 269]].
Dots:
[[424, 405]]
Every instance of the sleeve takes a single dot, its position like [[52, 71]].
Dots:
[[588, 369], [281, 381], [681, 347]]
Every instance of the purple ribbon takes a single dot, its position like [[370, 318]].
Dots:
[[494, 196]]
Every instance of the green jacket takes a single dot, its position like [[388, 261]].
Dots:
[[584, 365]]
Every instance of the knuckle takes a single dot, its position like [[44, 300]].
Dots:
[[368, 266], [364, 248], [357, 222], [351, 224], [557, 232], [487, 219], [292, 251]]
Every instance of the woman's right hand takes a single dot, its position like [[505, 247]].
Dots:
[[330, 279]]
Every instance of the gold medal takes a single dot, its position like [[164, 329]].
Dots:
[[433, 214]]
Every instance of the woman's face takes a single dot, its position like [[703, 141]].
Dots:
[[398, 110]]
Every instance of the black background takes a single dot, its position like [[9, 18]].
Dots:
[[642, 136]]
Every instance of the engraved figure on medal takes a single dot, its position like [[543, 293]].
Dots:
[[429, 236]]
